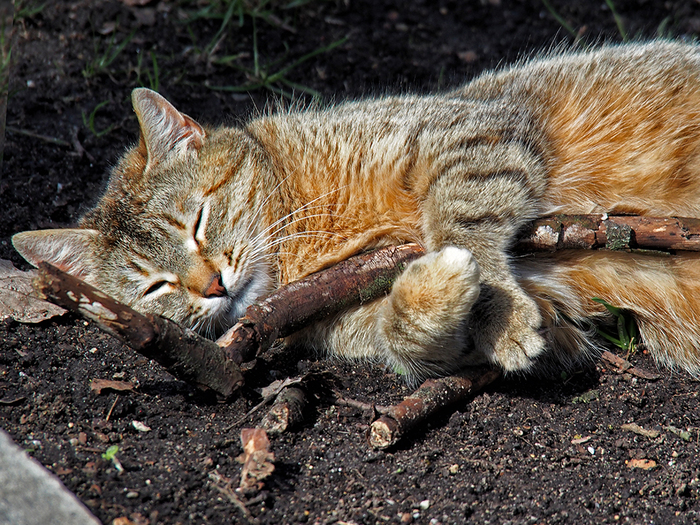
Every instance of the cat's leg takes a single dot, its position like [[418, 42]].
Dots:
[[480, 202], [419, 329]]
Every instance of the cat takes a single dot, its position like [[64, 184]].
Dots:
[[197, 222]]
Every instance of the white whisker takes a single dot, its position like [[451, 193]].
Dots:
[[270, 235], [266, 231], [261, 207], [305, 207]]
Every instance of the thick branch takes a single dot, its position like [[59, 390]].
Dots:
[[356, 280], [433, 395], [183, 353]]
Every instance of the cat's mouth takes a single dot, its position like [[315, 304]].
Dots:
[[238, 294], [238, 298], [223, 311], [242, 290]]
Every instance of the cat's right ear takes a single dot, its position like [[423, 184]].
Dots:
[[68, 249], [164, 130]]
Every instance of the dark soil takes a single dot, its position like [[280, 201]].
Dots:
[[515, 454]]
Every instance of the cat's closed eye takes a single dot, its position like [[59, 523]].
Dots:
[[158, 286], [200, 225]]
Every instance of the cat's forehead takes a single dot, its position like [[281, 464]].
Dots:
[[150, 242], [124, 220]]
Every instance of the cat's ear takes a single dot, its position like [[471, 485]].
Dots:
[[164, 129], [68, 249]]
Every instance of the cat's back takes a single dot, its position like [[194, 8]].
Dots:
[[656, 66], [620, 125]]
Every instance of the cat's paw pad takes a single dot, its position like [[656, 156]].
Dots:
[[457, 258]]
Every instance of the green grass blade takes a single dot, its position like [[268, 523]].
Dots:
[[612, 309]]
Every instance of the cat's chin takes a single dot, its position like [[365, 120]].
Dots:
[[224, 312], [245, 291]]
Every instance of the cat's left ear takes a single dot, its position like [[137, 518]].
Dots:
[[164, 129], [69, 249]]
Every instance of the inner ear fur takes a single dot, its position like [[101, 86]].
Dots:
[[71, 250], [164, 130]]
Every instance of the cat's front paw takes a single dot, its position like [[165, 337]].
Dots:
[[423, 321]]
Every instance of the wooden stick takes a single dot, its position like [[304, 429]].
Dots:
[[287, 411], [183, 353], [432, 396], [356, 280], [611, 232], [359, 279]]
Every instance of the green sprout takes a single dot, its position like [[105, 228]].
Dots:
[[260, 76], [105, 57], [25, 9], [152, 77], [627, 334], [618, 21], [89, 120], [111, 455]]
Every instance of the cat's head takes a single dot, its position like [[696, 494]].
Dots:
[[179, 230]]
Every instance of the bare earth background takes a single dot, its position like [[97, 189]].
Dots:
[[528, 450]]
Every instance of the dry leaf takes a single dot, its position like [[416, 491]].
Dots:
[[122, 520], [145, 16], [645, 464], [274, 388], [108, 28], [634, 427], [98, 385], [621, 365], [18, 299], [256, 458]]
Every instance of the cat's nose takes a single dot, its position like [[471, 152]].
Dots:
[[215, 288]]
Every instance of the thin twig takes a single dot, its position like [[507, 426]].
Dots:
[[356, 280], [45, 138], [433, 395]]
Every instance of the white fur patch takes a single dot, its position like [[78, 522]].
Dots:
[[461, 260]]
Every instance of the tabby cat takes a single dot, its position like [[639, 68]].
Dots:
[[198, 222]]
